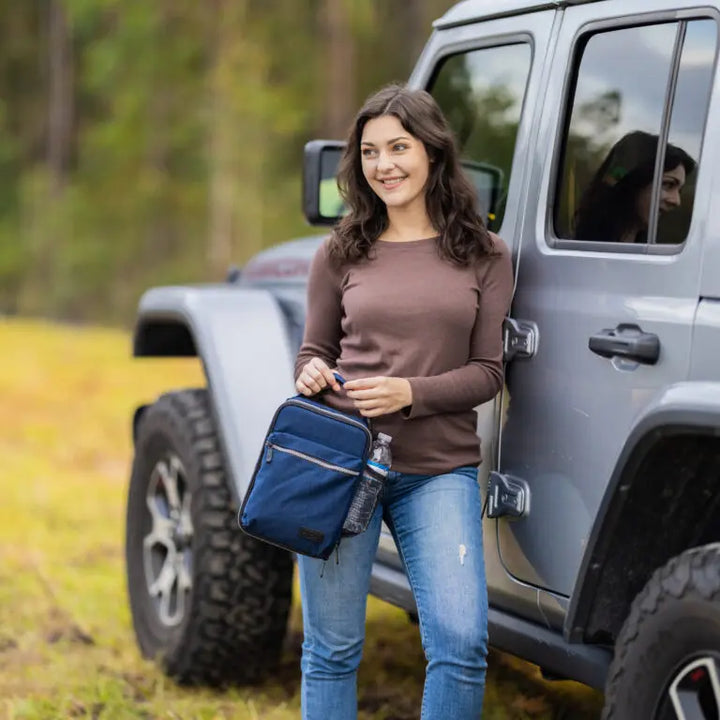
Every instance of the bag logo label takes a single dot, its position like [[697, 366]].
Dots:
[[312, 535]]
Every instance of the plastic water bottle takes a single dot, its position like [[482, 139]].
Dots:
[[370, 486]]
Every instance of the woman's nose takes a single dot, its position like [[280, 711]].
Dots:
[[384, 161], [673, 198]]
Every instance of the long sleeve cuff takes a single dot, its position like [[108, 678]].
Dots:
[[454, 391]]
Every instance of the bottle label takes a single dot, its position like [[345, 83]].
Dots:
[[378, 468]]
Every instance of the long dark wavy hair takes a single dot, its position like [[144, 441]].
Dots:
[[608, 207], [450, 197]]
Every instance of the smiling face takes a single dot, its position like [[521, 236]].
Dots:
[[395, 163], [673, 182]]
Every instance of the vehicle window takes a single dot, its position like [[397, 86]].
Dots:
[[481, 93], [687, 122], [606, 186]]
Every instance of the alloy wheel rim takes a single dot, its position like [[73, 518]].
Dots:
[[167, 547], [694, 692]]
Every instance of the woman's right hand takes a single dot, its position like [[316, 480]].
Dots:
[[315, 377]]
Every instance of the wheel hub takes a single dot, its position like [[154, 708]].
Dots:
[[167, 547], [694, 693]]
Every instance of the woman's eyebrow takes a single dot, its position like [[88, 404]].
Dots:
[[389, 142]]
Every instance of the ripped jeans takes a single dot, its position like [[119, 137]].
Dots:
[[436, 523]]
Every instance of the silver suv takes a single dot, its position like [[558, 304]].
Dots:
[[592, 132]]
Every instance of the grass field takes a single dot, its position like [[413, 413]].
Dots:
[[66, 644]]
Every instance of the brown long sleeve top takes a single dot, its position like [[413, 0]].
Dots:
[[406, 312]]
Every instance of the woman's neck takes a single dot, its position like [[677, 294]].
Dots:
[[406, 226]]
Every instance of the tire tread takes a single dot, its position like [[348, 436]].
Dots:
[[692, 574], [242, 588]]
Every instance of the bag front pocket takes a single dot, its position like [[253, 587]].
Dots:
[[300, 494]]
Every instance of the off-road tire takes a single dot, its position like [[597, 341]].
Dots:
[[235, 612], [674, 621]]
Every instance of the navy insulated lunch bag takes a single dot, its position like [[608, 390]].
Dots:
[[305, 477]]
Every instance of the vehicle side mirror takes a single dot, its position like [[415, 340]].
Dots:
[[322, 204]]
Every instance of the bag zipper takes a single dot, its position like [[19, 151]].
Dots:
[[330, 413], [309, 458]]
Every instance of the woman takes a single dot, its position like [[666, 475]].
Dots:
[[406, 300], [616, 205]]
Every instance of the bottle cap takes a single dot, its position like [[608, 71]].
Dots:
[[384, 437]]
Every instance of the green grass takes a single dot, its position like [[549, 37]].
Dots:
[[67, 648]]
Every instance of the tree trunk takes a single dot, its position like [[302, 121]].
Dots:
[[61, 100], [415, 31], [160, 230], [340, 43], [237, 142], [222, 184]]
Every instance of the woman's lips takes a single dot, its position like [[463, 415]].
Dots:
[[392, 183]]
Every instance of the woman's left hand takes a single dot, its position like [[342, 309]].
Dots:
[[379, 395]]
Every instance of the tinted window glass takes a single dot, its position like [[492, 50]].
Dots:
[[687, 122], [606, 188], [609, 153], [481, 93]]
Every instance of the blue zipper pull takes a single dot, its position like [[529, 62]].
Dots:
[[269, 454]]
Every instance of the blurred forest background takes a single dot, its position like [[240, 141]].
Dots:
[[158, 142]]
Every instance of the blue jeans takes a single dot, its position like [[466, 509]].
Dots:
[[436, 523]]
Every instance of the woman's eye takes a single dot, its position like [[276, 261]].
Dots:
[[368, 152], [399, 147]]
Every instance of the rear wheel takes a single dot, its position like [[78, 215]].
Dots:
[[667, 656], [209, 602]]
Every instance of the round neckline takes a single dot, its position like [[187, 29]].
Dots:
[[387, 243]]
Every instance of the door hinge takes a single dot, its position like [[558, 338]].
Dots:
[[507, 496], [520, 339]]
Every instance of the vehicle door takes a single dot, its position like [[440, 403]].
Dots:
[[486, 76], [609, 264]]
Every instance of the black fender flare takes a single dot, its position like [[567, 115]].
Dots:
[[689, 409]]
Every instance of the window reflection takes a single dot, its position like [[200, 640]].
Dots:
[[615, 206], [620, 90], [481, 93], [687, 122], [606, 185]]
